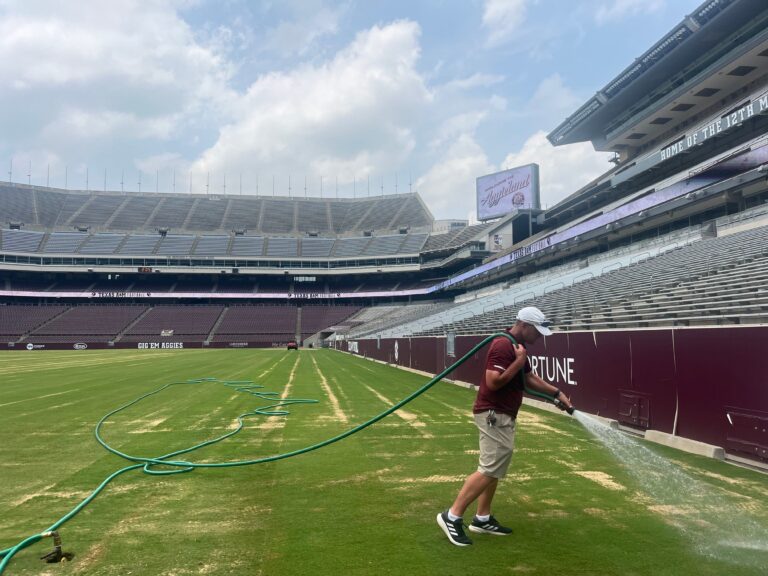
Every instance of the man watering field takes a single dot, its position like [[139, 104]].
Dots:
[[507, 373]]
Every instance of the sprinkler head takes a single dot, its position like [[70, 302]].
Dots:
[[56, 555]]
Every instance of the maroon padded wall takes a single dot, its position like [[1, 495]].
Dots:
[[716, 379]]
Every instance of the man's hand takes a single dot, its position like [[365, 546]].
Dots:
[[520, 352], [564, 403]]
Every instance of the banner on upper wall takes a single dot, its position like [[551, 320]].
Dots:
[[514, 189]]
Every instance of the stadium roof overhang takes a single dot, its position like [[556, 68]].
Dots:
[[719, 48]]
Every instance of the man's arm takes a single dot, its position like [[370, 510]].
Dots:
[[533, 382], [496, 380]]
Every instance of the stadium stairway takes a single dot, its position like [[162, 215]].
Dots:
[[43, 325], [44, 241], [190, 213], [132, 324], [116, 213], [119, 248], [152, 216], [72, 219], [224, 219], [219, 320], [35, 212]]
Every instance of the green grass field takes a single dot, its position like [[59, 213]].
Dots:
[[365, 505]]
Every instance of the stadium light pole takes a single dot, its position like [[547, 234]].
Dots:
[[122, 180], [207, 183], [29, 174], [139, 180], [382, 185], [224, 186], [305, 185], [289, 185], [10, 172]]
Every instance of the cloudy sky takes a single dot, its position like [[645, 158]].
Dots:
[[349, 97]]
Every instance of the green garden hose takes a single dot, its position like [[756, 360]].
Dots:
[[182, 466]]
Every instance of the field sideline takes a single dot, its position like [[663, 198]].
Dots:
[[364, 506]]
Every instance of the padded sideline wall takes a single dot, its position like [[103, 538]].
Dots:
[[714, 379]]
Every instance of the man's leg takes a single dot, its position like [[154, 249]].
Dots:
[[486, 497], [474, 487]]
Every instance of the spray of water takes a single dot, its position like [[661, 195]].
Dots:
[[715, 526]]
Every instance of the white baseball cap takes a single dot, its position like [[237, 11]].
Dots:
[[535, 317]]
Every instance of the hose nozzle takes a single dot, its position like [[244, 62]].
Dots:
[[559, 404]]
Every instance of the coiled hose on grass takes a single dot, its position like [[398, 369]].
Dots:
[[181, 466]]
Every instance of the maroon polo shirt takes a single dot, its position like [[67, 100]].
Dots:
[[508, 398]]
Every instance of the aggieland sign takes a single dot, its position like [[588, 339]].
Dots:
[[501, 193]]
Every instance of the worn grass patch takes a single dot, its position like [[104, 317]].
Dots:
[[364, 506]]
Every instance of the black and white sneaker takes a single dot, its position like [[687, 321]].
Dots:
[[490, 526], [454, 529]]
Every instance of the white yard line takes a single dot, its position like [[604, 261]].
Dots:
[[337, 411], [278, 422], [409, 417], [77, 363], [275, 365], [605, 480], [39, 397]]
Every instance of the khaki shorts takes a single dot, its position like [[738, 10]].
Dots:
[[497, 443]]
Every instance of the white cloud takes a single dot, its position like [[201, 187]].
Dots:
[[93, 71], [163, 162], [87, 124], [554, 99], [148, 44], [350, 117], [617, 10], [502, 19], [563, 169], [457, 126], [298, 36], [448, 187], [476, 80]]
